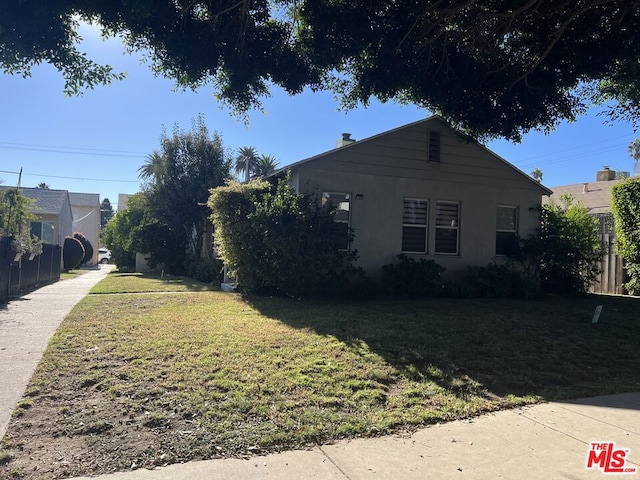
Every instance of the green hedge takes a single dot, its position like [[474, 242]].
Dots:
[[275, 240]]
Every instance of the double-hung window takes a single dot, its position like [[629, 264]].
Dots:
[[341, 205], [447, 228], [506, 229], [414, 225]]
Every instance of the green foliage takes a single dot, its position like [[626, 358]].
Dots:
[[411, 278], [279, 241], [86, 244], [106, 212], [567, 248], [15, 217], [487, 66], [136, 229], [177, 232], [168, 221], [508, 280], [72, 253], [625, 203]]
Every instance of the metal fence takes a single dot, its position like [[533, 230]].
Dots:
[[29, 271]]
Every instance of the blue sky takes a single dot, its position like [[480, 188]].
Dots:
[[96, 142]]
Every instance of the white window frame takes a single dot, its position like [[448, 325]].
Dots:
[[424, 226], [514, 230], [455, 227]]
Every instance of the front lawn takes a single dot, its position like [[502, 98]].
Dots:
[[141, 380], [117, 282]]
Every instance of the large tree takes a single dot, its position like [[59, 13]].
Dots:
[[178, 177], [491, 67]]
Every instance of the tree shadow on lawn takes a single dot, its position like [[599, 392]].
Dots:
[[547, 348]]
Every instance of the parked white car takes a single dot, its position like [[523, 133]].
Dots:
[[104, 255]]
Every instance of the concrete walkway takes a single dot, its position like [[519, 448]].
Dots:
[[547, 441], [27, 324]]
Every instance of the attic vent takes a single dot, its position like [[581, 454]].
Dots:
[[434, 147]]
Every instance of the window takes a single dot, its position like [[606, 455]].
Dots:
[[341, 204], [44, 231], [434, 147], [414, 225], [506, 229], [447, 226]]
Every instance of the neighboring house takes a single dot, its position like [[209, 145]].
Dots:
[[86, 218], [54, 216], [123, 198], [425, 190], [596, 196]]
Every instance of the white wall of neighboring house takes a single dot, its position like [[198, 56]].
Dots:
[[86, 219]]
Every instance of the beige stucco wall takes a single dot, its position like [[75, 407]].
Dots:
[[380, 172]]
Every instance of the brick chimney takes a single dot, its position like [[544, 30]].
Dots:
[[605, 175], [345, 140]]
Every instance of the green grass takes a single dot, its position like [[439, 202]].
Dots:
[[73, 273], [153, 282], [207, 374]]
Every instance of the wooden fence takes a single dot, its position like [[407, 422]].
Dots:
[[612, 273]]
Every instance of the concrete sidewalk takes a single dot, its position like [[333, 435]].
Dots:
[[27, 324], [547, 441]]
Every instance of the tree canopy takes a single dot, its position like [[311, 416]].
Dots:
[[490, 67], [168, 220]]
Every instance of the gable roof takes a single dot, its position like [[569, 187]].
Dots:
[[596, 196], [431, 119], [47, 201], [84, 199]]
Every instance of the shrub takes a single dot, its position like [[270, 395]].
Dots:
[[411, 278], [507, 280], [72, 253], [625, 202], [86, 244], [278, 241], [566, 248]]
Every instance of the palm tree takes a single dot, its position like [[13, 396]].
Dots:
[[265, 165], [246, 161], [153, 168]]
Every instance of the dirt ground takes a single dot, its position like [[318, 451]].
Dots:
[[78, 432]]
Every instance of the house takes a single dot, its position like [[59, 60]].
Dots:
[[123, 198], [54, 219], [426, 190], [596, 196], [86, 218]]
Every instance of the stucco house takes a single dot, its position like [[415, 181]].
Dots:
[[86, 218], [425, 190], [54, 219]]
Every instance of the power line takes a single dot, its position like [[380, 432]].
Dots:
[[96, 152], [71, 178]]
